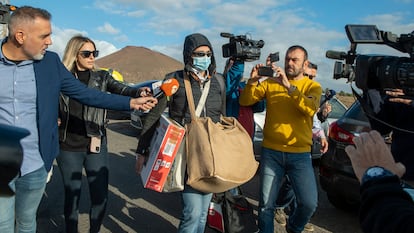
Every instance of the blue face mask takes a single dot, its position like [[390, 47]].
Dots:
[[201, 63]]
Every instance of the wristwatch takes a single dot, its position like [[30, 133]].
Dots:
[[292, 88], [375, 173]]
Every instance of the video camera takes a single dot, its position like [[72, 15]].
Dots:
[[5, 10], [379, 72], [240, 47]]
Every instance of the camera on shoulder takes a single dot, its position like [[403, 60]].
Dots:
[[380, 72]]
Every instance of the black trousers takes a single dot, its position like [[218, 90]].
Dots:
[[96, 167]]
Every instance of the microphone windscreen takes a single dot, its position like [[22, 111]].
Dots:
[[170, 86]]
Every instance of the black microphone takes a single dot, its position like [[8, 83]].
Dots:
[[336, 55]]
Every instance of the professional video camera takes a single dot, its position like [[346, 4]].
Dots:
[[240, 47], [5, 10], [379, 72]]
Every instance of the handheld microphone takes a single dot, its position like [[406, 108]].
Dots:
[[336, 55], [168, 88]]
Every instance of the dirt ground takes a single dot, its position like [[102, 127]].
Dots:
[[347, 100]]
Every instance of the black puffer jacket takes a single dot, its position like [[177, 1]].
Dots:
[[178, 106], [94, 118]]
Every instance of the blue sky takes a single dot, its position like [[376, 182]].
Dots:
[[162, 25]]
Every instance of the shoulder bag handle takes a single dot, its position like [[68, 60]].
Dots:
[[190, 99]]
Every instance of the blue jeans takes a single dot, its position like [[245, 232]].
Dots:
[[195, 209], [286, 196], [21, 208], [96, 166], [274, 165]]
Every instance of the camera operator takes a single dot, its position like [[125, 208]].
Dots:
[[292, 99], [382, 78], [396, 114], [239, 50], [233, 73], [385, 206]]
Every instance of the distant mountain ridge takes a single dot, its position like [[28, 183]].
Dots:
[[138, 64]]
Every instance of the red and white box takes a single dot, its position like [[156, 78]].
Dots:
[[164, 146]]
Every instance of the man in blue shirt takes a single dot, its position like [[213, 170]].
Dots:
[[31, 80]]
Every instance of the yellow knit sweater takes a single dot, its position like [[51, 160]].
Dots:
[[288, 125]]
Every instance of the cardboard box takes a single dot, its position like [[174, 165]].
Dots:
[[164, 146]]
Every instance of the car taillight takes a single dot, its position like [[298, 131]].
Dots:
[[339, 134]]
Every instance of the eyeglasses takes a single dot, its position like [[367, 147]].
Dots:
[[313, 66], [86, 53], [202, 54]]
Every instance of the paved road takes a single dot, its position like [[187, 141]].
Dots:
[[133, 209]]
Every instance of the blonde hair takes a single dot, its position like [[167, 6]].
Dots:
[[72, 49]]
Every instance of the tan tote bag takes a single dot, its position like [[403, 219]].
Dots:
[[219, 155]]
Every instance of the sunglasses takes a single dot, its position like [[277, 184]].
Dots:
[[313, 66], [202, 54], [86, 54]]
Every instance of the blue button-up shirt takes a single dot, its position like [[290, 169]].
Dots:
[[18, 107]]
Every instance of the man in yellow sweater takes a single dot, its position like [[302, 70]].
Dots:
[[291, 101]]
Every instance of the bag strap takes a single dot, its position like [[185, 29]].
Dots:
[[203, 99], [189, 94]]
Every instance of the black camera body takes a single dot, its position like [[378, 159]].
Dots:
[[5, 10], [379, 72], [240, 47], [267, 71]]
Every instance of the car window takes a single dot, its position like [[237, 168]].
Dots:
[[356, 112], [337, 108]]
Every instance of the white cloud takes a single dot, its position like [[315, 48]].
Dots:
[[105, 48], [60, 38], [108, 28], [111, 7], [278, 24], [121, 38], [136, 14]]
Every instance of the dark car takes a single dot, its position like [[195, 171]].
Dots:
[[336, 174]]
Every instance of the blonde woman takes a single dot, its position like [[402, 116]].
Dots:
[[83, 142]]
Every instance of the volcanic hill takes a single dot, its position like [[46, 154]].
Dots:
[[138, 64]]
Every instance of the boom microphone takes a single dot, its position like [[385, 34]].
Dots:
[[168, 88], [336, 55]]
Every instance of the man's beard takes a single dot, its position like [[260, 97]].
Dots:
[[38, 57], [294, 73]]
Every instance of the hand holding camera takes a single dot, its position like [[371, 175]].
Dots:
[[398, 96], [268, 70]]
